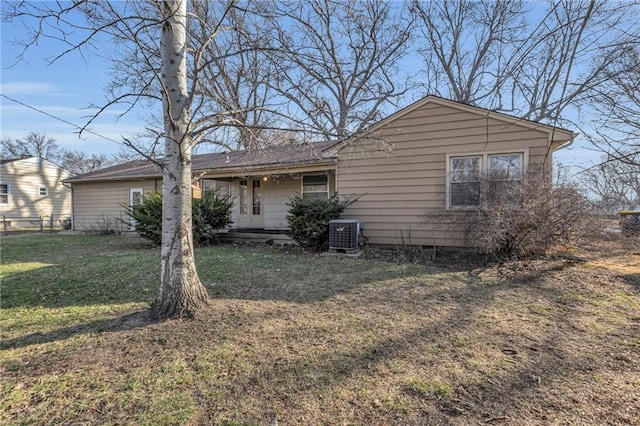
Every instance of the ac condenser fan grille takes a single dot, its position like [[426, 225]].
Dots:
[[344, 234]]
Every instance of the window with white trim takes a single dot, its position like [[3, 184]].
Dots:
[[464, 181], [505, 170], [500, 171], [4, 193], [43, 191], [315, 187]]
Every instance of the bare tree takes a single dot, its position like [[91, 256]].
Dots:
[[33, 145], [337, 61], [79, 162], [468, 46], [615, 183], [181, 291], [234, 76], [499, 55], [232, 104], [40, 145], [616, 126], [143, 27]]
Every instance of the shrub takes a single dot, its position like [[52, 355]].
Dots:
[[148, 217], [66, 223], [209, 214], [309, 218], [526, 219]]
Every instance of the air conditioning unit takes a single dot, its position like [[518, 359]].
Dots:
[[344, 234]]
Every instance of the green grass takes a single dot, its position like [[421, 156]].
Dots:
[[432, 387], [308, 340]]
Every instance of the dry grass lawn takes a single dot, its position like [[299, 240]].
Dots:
[[298, 339]]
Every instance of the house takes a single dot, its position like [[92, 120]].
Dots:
[[31, 191], [420, 160]]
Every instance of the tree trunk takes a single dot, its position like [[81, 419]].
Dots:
[[181, 293]]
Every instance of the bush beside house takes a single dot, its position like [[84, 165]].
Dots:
[[209, 214], [309, 218]]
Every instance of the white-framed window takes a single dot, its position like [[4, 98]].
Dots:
[[470, 175], [504, 170], [464, 181], [5, 191], [43, 191], [315, 187], [220, 187]]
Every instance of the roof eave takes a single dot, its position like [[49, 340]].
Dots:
[[236, 170], [277, 168], [111, 178]]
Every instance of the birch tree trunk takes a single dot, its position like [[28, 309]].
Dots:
[[181, 293]]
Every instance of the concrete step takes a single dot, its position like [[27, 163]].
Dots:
[[255, 238]]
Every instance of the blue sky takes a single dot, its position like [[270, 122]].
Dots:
[[64, 89], [67, 87]]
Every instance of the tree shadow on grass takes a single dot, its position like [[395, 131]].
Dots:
[[632, 279], [130, 321], [281, 379], [529, 370]]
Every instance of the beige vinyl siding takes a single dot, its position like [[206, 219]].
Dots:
[[98, 205], [24, 178], [402, 190], [277, 193]]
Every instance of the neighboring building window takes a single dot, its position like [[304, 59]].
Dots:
[[315, 187], [4, 193], [43, 191], [243, 197], [466, 174]]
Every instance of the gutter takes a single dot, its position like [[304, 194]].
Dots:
[[285, 168], [568, 143], [108, 178]]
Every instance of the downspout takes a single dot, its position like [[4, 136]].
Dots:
[[73, 206]]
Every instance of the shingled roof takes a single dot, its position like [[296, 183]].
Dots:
[[8, 160], [260, 159]]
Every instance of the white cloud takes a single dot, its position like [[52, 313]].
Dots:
[[30, 88]]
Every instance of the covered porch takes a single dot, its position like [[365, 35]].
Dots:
[[260, 197]]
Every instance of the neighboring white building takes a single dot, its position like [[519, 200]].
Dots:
[[30, 189]]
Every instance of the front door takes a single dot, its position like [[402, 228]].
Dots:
[[250, 204], [135, 199]]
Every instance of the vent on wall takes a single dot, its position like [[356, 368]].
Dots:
[[344, 234]]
